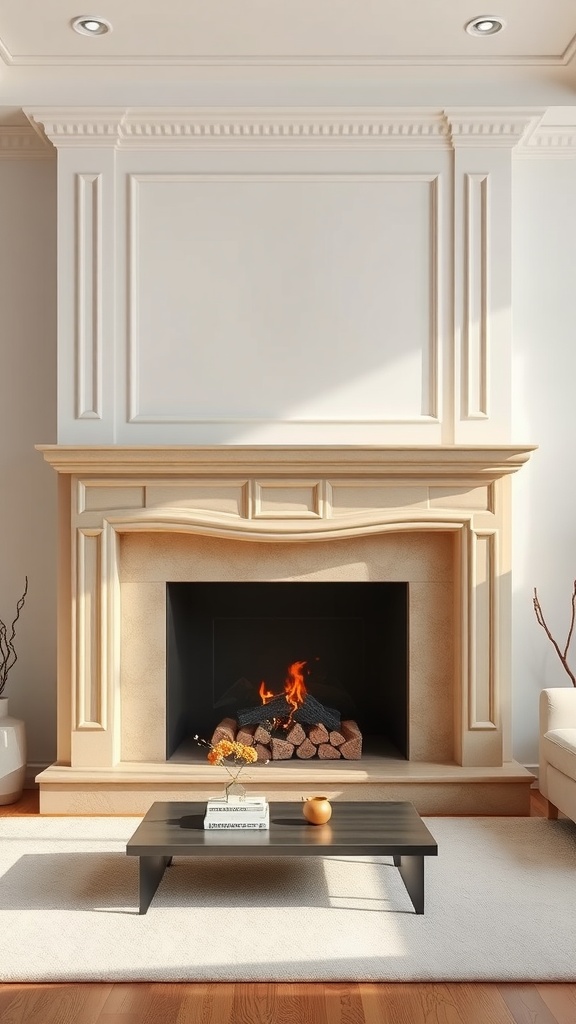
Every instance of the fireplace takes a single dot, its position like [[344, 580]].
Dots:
[[390, 561], [235, 649]]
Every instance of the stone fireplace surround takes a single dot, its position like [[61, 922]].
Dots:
[[132, 519]]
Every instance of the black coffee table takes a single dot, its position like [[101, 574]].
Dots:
[[390, 828]]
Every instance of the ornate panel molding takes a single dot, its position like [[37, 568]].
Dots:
[[88, 280], [430, 385], [90, 696], [482, 673], [288, 499], [476, 319]]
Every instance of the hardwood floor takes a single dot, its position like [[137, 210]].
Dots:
[[285, 1004]]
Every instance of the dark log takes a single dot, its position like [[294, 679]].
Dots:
[[311, 712], [278, 707]]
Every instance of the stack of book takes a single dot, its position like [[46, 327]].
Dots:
[[251, 813]]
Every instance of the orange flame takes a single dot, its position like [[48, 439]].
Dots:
[[265, 695], [294, 687]]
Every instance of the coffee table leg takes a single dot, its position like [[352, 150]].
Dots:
[[412, 871], [151, 871]]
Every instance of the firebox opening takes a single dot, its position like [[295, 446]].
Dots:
[[224, 640]]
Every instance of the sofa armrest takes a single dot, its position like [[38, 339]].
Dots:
[[557, 711], [557, 708]]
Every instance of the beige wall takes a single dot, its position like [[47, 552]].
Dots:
[[27, 416]]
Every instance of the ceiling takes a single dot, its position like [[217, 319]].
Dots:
[[300, 53], [34, 33]]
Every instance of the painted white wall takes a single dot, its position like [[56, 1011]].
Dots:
[[544, 412], [27, 417]]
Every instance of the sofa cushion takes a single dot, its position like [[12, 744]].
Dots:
[[559, 746]]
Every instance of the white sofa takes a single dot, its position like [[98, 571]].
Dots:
[[557, 770]]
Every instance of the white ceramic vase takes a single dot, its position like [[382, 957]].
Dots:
[[12, 755]]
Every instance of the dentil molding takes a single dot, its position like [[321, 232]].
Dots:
[[178, 128], [549, 140], [22, 142]]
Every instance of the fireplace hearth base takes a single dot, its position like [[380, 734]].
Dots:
[[433, 788]]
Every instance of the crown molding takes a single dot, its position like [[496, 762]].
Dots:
[[78, 126], [335, 60], [22, 142], [491, 126], [549, 140], [222, 127], [282, 127]]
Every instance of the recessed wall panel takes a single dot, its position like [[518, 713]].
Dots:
[[284, 297]]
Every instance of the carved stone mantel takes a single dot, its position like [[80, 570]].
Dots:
[[115, 501]]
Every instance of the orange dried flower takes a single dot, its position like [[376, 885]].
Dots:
[[231, 755], [229, 749]]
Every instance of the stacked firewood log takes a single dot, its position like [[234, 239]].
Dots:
[[297, 739]]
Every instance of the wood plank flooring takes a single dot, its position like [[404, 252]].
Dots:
[[285, 1004]]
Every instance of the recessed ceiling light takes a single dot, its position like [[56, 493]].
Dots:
[[485, 25], [89, 25]]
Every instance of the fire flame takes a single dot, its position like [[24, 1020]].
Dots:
[[294, 688], [265, 695]]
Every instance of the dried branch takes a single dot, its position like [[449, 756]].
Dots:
[[8, 656], [562, 654]]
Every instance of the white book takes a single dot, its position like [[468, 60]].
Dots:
[[230, 824], [255, 817], [250, 806]]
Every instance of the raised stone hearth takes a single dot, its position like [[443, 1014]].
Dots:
[[134, 519]]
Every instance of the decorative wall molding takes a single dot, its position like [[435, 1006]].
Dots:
[[491, 126], [476, 318], [23, 142], [88, 343], [548, 140], [90, 709], [429, 408], [180, 128], [91, 126], [483, 704], [453, 391]]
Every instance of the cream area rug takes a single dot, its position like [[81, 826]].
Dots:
[[500, 906]]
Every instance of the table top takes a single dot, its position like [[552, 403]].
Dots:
[[356, 828]]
